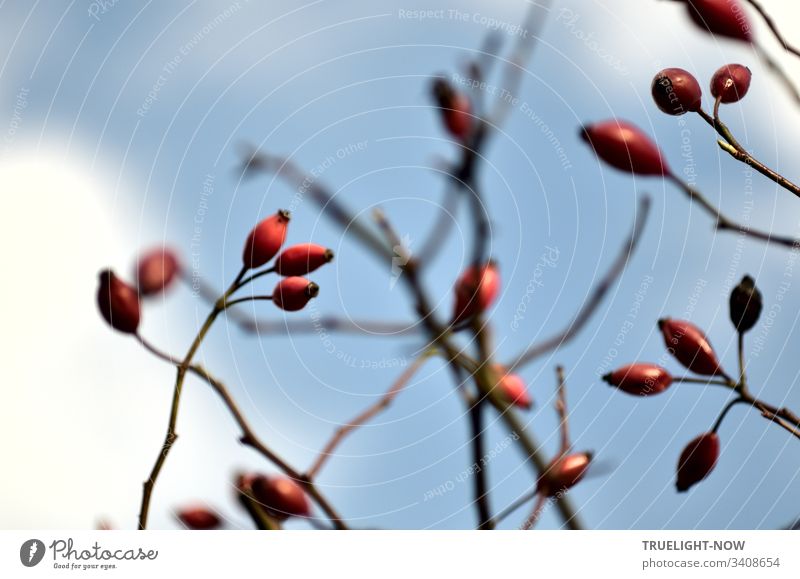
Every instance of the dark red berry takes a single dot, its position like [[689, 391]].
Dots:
[[476, 290], [512, 388], [199, 518], [721, 17], [640, 379], [731, 82], [564, 473], [624, 146], [302, 259], [156, 270], [118, 302], [697, 460], [676, 91], [745, 304], [293, 293], [281, 496], [455, 109], [266, 239], [690, 346]]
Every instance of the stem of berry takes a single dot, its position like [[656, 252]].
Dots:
[[730, 145], [249, 437], [172, 436]]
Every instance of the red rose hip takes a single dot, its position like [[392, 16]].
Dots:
[[721, 17], [281, 496], [118, 303], [302, 259], [690, 347], [731, 82], [475, 290], [156, 270], [512, 388], [455, 109], [625, 147], [697, 460], [293, 293], [265, 240], [199, 518], [640, 379], [564, 473], [676, 91]]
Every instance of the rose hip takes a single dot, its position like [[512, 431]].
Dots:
[[302, 259], [199, 518], [266, 239], [745, 304], [731, 82], [676, 91], [690, 346], [455, 109], [697, 460], [475, 290], [625, 147], [721, 17], [281, 496], [564, 473], [156, 270], [640, 379], [118, 302], [512, 388], [293, 293]]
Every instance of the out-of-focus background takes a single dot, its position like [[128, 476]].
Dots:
[[120, 123]]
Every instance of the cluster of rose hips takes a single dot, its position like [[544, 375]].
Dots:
[[675, 91], [279, 497], [157, 270], [689, 345], [119, 302]]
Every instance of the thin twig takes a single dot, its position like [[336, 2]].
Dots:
[[531, 521], [598, 293], [723, 223], [249, 438], [773, 27], [368, 414], [731, 146], [561, 410]]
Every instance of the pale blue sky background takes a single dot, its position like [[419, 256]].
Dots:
[[88, 181]]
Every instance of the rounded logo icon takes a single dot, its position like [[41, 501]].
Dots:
[[31, 553]]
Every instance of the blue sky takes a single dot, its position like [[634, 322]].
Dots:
[[122, 124]]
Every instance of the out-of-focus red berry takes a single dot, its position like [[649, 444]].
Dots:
[[513, 388], [118, 302], [625, 147], [156, 270], [564, 473], [476, 290], [721, 17], [281, 496], [199, 518]]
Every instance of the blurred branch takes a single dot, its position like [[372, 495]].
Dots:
[[595, 298], [249, 438], [773, 27], [368, 414]]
